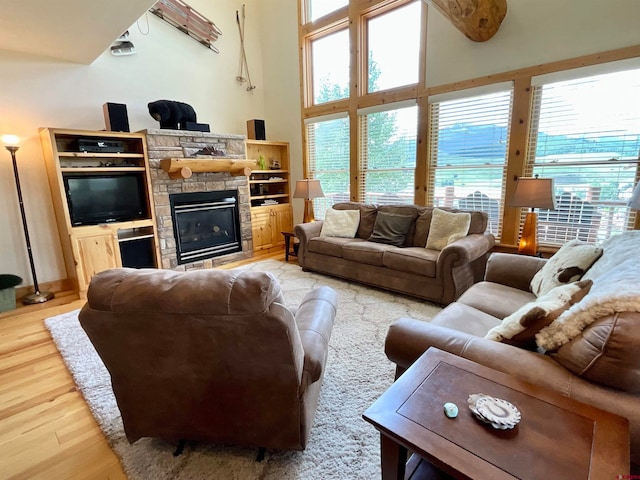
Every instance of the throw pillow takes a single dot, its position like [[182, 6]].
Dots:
[[521, 326], [567, 265], [340, 223], [447, 227], [391, 228]]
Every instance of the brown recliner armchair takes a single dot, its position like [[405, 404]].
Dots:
[[210, 355]]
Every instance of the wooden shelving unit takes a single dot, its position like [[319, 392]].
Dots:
[[92, 248], [269, 188]]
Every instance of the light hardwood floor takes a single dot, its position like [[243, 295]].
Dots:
[[46, 429]]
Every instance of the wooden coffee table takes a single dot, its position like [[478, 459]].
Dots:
[[557, 438]]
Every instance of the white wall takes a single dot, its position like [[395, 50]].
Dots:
[[279, 34], [532, 33], [168, 65]]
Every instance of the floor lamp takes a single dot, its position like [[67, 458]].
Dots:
[[11, 144], [308, 189], [533, 193]]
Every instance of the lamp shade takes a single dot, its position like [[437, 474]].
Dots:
[[308, 189], [534, 193], [634, 201]]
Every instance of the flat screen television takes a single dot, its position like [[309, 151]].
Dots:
[[99, 198]]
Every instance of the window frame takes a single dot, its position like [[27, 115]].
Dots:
[[354, 16]]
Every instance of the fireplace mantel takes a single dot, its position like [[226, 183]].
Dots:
[[184, 167]]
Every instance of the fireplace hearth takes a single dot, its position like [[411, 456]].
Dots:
[[206, 224]]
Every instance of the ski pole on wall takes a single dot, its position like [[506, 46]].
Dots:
[[243, 60]]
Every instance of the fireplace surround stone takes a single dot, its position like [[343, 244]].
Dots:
[[163, 143]]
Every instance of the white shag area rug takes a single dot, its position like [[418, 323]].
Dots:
[[342, 445]]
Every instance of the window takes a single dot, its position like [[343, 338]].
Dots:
[[469, 140], [388, 154], [330, 64], [328, 157], [319, 8], [394, 43], [585, 134]]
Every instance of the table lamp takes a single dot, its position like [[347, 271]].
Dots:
[[532, 193], [308, 189], [11, 144]]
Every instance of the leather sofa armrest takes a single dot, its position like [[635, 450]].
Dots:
[[461, 264], [512, 270], [305, 232], [314, 318], [408, 338], [467, 249]]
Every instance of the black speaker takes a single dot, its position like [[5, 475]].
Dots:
[[115, 117], [256, 130]]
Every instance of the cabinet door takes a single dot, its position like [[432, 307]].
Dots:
[[262, 228], [95, 254], [282, 220]]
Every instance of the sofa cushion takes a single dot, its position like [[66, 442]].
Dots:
[[412, 259], [447, 227], [391, 228], [520, 327], [340, 223], [495, 299], [331, 246], [606, 352], [567, 265], [465, 319], [421, 230], [367, 216], [365, 252]]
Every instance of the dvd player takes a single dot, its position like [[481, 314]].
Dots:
[[100, 145]]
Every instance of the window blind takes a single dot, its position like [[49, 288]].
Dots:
[[328, 161], [468, 145], [585, 134], [387, 160]]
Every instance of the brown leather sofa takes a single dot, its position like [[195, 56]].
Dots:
[[440, 276], [600, 367], [210, 355]]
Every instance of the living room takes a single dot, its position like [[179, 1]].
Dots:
[[44, 91]]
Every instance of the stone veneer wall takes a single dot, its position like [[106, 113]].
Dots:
[[163, 143]]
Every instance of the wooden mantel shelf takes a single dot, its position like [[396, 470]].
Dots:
[[184, 167]]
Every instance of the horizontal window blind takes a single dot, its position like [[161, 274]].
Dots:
[[585, 134], [328, 161], [387, 161], [468, 145]]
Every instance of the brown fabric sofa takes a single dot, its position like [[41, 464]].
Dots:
[[440, 276], [210, 355], [599, 367]]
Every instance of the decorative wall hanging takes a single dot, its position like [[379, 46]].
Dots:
[[187, 20], [243, 55], [478, 20]]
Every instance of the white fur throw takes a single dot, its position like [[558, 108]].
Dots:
[[616, 250], [617, 290]]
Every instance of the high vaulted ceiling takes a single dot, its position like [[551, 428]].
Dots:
[[76, 31]]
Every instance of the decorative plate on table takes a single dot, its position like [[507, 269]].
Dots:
[[497, 412]]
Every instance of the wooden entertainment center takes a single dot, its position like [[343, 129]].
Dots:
[[90, 246]]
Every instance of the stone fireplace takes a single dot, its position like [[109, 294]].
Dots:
[[205, 224], [215, 241]]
